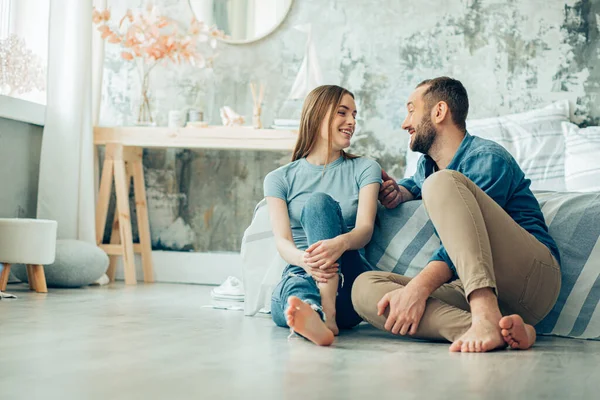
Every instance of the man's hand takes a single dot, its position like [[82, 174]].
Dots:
[[407, 306], [389, 192]]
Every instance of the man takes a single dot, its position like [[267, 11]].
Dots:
[[496, 258]]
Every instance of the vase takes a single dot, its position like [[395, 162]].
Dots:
[[144, 107]]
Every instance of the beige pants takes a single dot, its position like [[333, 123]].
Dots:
[[488, 249]]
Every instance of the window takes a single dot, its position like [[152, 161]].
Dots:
[[24, 49]]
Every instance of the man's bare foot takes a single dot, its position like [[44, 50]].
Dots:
[[517, 333], [306, 322], [484, 335], [330, 318]]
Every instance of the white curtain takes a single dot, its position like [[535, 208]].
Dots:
[[66, 191]]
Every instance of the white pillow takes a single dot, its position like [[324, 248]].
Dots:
[[534, 139], [582, 158]]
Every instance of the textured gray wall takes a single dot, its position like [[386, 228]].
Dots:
[[20, 145], [511, 55]]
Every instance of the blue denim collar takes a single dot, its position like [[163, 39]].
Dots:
[[458, 156]]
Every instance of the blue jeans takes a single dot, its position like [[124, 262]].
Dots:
[[321, 219]]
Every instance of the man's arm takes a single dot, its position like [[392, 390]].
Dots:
[[434, 275]]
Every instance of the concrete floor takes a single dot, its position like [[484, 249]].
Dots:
[[157, 342]]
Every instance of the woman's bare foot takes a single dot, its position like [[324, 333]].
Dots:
[[517, 334], [484, 335], [306, 322], [330, 318], [332, 325]]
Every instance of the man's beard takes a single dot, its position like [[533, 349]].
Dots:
[[424, 136]]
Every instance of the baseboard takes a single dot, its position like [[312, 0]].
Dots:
[[185, 267]]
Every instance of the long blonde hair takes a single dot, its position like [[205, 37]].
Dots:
[[320, 101]]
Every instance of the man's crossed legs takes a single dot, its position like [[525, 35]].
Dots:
[[502, 270]]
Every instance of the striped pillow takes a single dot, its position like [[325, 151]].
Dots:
[[582, 161], [535, 139]]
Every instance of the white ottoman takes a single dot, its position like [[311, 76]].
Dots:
[[27, 241]]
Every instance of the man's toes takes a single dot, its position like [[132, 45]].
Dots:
[[456, 346], [485, 346], [506, 323], [465, 347], [505, 332], [478, 345]]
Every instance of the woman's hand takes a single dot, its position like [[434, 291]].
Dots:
[[325, 253], [320, 259], [322, 275]]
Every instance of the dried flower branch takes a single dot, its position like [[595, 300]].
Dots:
[[152, 37]]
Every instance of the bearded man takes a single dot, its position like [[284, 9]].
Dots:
[[497, 272]]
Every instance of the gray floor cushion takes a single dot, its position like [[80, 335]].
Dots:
[[77, 264]]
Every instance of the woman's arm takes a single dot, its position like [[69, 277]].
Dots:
[[280, 223], [358, 237], [324, 253]]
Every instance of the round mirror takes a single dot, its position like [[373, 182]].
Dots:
[[243, 21]]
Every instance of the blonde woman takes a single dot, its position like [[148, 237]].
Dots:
[[322, 207]]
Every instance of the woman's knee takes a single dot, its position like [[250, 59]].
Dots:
[[319, 203]]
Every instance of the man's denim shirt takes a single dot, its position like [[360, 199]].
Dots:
[[495, 171]]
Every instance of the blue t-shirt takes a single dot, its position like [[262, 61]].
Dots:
[[342, 180], [491, 167]]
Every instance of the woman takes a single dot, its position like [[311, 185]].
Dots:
[[322, 208]]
